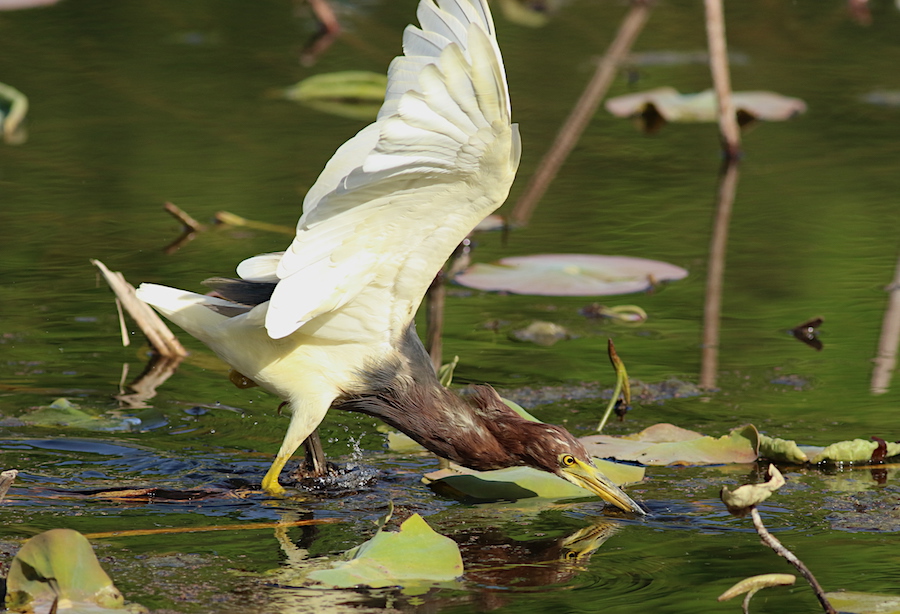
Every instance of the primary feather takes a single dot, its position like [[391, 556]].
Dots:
[[378, 224]]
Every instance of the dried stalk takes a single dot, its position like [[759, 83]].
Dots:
[[158, 334], [584, 109], [886, 359], [718, 65]]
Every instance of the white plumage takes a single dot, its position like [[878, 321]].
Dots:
[[387, 211]]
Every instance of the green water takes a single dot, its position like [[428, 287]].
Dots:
[[135, 104]]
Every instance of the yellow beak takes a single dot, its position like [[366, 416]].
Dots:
[[589, 477]]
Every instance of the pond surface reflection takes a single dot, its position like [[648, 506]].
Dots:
[[133, 105]]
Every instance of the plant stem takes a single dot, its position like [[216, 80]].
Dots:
[[584, 109], [769, 540]]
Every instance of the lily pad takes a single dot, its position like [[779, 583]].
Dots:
[[63, 412], [741, 499], [517, 483], [356, 94], [570, 275], [541, 333], [852, 451], [666, 444], [669, 105], [864, 603], [414, 555], [59, 566]]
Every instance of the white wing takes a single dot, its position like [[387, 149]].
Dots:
[[395, 200]]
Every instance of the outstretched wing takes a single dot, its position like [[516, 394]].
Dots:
[[395, 200]]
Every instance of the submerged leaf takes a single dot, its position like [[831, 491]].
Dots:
[[414, 555], [59, 566], [744, 497], [515, 483], [570, 275], [853, 602], [541, 333], [63, 412], [666, 444]]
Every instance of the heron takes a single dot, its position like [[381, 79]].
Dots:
[[329, 322]]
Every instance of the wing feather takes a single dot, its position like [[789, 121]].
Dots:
[[398, 197]]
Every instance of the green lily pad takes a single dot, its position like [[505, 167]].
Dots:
[[63, 412], [356, 94], [570, 275], [864, 603], [414, 555], [515, 483], [666, 444], [60, 566]]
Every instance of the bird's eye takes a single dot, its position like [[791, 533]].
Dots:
[[567, 460]]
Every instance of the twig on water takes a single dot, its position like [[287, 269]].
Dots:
[[158, 334], [584, 109]]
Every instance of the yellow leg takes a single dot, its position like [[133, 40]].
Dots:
[[270, 481]]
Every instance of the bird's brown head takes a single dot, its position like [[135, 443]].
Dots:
[[549, 448]]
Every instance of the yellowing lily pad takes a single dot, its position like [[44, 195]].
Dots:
[[356, 94], [668, 104], [515, 483], [414, 555], [570, 275], [59, 566], [741, 499], [852, 602], [666, 444], [853, 451]]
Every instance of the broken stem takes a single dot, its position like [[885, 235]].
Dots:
[[779, 548], [621, 384]]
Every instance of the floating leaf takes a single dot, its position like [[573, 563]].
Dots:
[[541, 333], [59, 566], [744, 497], [356, 94], [781, 450], [529, 13], [885, 98], [414, 555], [668, 105], [852, 602], [570, 275], [853, 451], [515, 483], [666, 444], [15, 5]]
